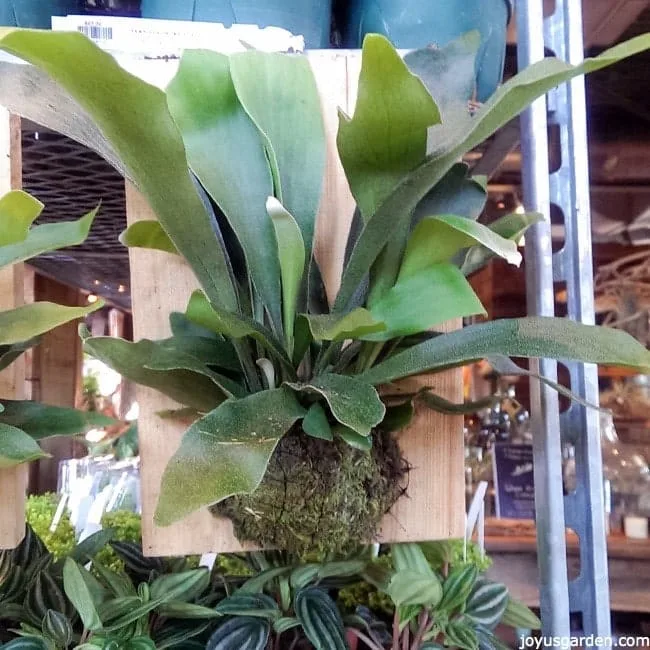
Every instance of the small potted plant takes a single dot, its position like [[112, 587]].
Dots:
[[413, 24], [308, 18], [283, 390]]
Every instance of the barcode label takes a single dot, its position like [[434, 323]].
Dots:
[[97, 32]]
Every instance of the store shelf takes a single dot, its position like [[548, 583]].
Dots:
[[512, 547], [516, 536]]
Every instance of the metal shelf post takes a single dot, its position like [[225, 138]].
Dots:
[[568, 189]]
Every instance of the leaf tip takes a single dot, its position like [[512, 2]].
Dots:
[[515, 258], [273, 205]]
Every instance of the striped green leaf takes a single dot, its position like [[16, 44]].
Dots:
[[184, 586], [247, 604], [460, 635], [320, 619], [57, 627], [242, 632], [487, 603]]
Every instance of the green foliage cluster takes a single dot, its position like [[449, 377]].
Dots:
[[23, 423], [442, 556], [320, 602], [127, 527], [260, 597], [145, 604], [231, 159], [39, 513]]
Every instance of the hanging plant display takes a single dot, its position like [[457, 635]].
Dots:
[[288, 433]]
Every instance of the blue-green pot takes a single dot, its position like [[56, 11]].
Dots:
[[309, 18], [412, 24], [34, 13]]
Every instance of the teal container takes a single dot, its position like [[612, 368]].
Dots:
[[34, 13], [309, 18], [411, 24]]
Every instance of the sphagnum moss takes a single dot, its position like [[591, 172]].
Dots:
[[320, 495]]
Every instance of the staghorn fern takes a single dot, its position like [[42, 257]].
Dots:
[[231, 159]]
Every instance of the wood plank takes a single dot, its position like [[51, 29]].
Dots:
[[13, 482], [56, 379], [435, 506], [628, 580], [433, 444], [618, 546]]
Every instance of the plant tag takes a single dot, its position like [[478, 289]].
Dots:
[[60, 509], [476, 519], [208, 560]]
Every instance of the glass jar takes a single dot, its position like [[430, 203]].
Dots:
[[626, 475]]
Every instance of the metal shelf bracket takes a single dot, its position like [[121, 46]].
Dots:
[[567, 188]]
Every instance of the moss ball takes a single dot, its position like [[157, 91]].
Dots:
[[320, 496]]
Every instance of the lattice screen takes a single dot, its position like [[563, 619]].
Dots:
[[71, 180]]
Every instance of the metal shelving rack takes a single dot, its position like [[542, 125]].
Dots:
[[586, 597]]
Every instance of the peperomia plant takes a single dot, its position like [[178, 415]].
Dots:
[[264, 600], [447, 606], [292, 604], [291, 438], [66, 603], [22, 423]]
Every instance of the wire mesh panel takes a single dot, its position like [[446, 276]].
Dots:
[[71, 180]]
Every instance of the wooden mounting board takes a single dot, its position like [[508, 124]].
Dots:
[[13, 482], [161, 283]]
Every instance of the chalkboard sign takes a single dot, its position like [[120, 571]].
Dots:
[[514, 486]]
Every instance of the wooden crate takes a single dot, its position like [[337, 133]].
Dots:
[[160, 283], [13, 482]]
